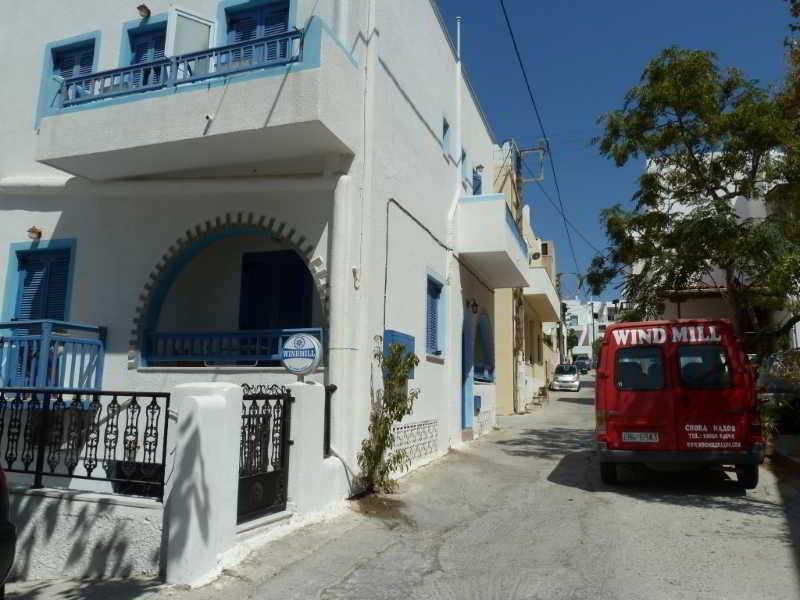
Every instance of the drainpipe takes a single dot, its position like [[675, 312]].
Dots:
[[456, 304]]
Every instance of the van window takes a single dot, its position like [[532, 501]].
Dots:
[[640, 369], [705, 366]]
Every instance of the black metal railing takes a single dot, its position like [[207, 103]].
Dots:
[[264, 450], [115, 437]]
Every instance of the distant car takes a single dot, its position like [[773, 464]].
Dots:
[[566, 377], [8, 534], [583, 364]]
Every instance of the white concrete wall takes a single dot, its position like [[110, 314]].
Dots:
[[69, 534]]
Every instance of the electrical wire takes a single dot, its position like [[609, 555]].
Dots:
[[544, 133], [563, 216]]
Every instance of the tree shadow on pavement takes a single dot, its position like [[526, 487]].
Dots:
[[129, 589]]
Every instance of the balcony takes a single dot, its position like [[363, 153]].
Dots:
[[51, 354], [278, 97], [490, 243], [234, 348], [541, 294]]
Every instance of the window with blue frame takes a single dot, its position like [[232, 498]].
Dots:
[[433, 322], [43, 282], [263, 21], [148, 46], [74, 61]]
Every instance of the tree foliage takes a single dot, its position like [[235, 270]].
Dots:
[[714, 142]]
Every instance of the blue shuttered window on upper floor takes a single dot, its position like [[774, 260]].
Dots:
[[43, 282], [148, 46], [432, 324], [267, 20], [74, 62]]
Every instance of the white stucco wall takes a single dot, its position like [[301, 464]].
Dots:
[[67, 534]]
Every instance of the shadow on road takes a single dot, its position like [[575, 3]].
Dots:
[[586, 401]]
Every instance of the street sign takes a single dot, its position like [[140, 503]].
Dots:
[[301, 354]]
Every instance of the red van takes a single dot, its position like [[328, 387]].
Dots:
[[678, 392]]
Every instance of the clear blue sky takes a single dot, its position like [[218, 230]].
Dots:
[[582, 56]]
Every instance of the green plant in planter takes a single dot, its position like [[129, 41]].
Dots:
[[378, 459]]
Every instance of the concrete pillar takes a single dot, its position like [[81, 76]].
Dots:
[[315, 482], [203, 481]]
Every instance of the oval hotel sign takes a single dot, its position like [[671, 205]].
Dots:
[[301, 354]]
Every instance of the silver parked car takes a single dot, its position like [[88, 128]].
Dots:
[[566, 378]]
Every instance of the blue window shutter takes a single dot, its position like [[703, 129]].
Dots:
[[432, 320], [148, 46], [275, 23], [74, 62], [243, 27], [43, 285]]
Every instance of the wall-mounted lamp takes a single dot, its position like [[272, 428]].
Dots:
[[473, 306], [35, 233], [144, 11]]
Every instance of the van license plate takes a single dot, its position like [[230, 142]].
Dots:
[[647, 437]]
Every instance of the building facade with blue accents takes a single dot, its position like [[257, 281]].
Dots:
[[183, 189]]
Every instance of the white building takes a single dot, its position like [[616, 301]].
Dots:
[[180, 191], [589, 321]]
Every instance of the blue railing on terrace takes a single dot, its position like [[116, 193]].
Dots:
[[185, 68], [221, 348], [51, 354]]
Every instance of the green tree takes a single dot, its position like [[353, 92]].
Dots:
[[711, 138], [572, 339]]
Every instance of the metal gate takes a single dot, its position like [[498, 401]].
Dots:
[[264, 450]]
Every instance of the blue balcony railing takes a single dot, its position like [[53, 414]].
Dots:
[[51, 354], [268, 51], [221, 348]]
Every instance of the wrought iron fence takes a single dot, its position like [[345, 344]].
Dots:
[[115, 437], [268, 51], [264, 450]]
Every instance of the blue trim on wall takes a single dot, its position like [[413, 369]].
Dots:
[[48, 102], [151, 23], [441, 338], [483, 198], [311, 60], [12, 287], [468, 370], [390, 336]]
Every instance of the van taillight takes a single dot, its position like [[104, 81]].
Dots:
[[601, 428]]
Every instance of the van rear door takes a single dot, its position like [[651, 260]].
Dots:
[[712, 405], [640, 413]]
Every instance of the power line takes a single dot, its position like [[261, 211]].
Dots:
[[563, 216], [544, 133]]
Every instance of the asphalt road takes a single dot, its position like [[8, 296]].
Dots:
[[522, 514]]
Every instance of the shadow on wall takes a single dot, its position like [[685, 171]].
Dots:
[[101, 540]]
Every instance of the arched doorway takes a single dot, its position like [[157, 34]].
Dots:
[[477, 361], [231, 298]]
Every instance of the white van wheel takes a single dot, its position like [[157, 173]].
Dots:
[[608, 473]]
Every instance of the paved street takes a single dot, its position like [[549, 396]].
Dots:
[[521, 514]]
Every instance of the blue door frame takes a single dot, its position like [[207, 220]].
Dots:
[[467, 371]]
